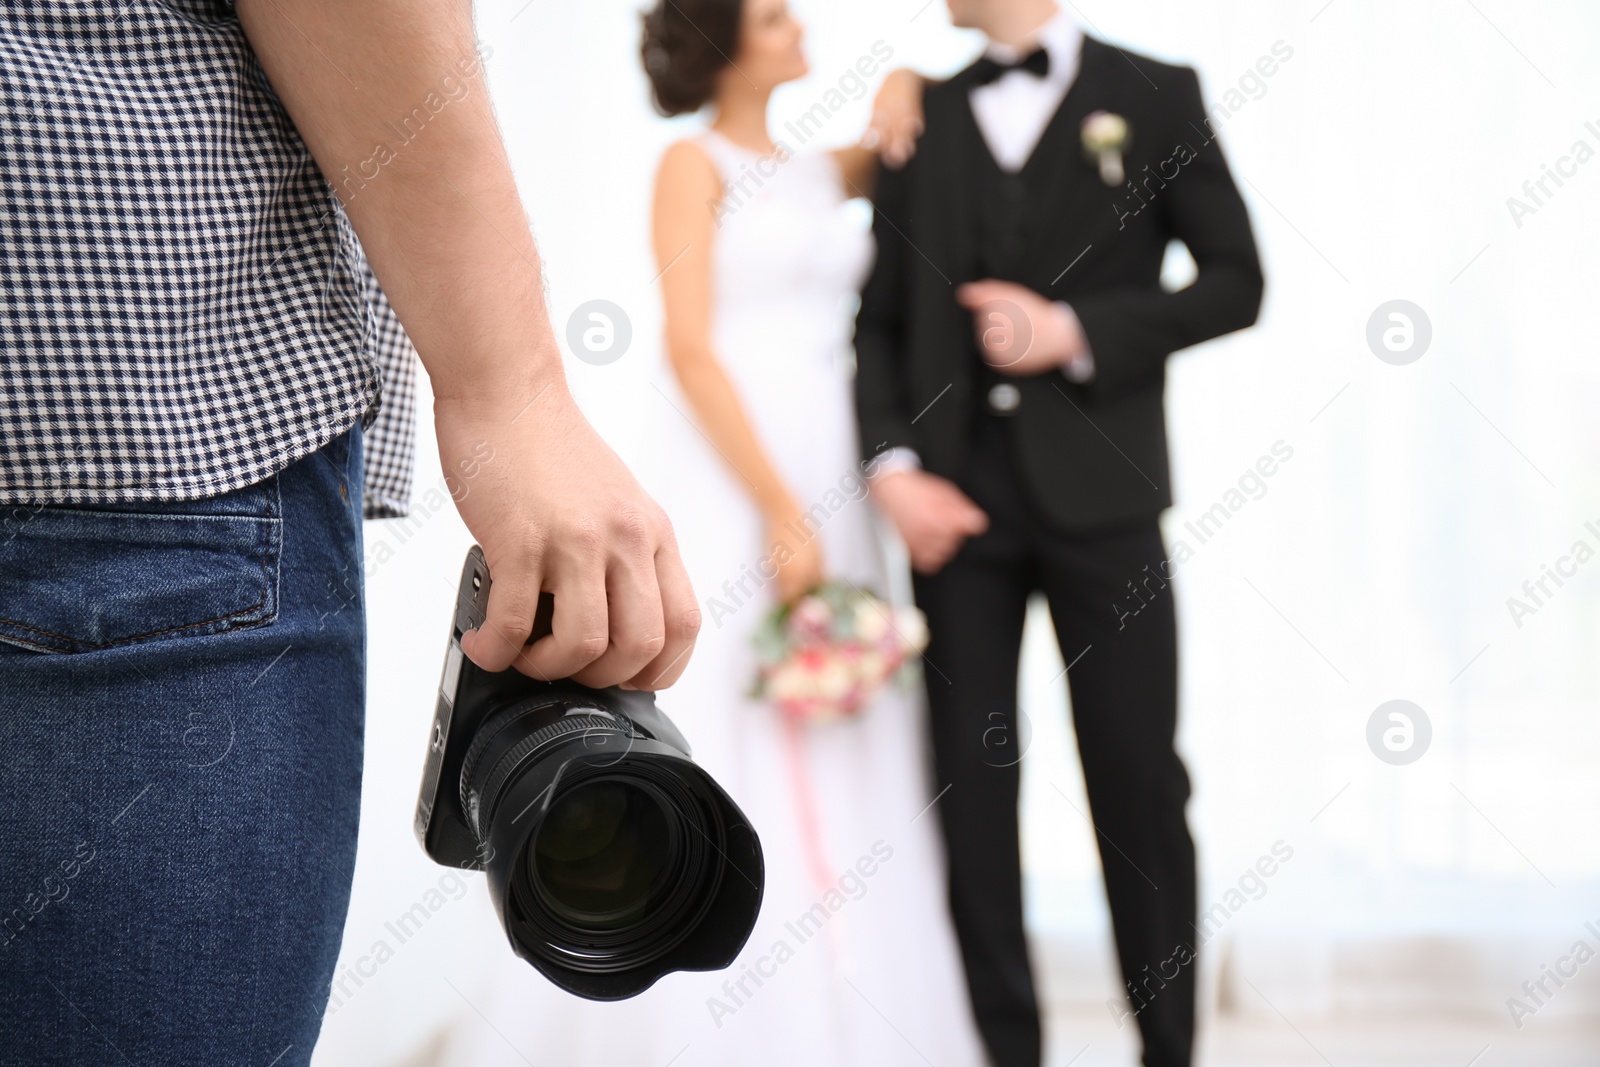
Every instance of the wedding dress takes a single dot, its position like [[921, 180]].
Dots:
[[853, 960]]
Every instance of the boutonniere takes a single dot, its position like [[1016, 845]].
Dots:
[[1105, 139]]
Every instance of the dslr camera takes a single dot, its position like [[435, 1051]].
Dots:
[[612, 858]]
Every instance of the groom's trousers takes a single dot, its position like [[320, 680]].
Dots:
[[1121, 648]]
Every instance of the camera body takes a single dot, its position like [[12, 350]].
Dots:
[[441, 823], [612, 858]]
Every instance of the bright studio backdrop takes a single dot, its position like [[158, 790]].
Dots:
[[1377, 158]]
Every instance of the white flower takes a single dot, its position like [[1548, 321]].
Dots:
[[912, 626], [873, 668], [835, 679], [1105, 139], [790, 681], [871, 622], [1104, 130]]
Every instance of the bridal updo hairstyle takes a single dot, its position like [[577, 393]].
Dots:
[[686, 45]]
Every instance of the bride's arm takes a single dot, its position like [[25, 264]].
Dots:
[[687, 195], [891, 135]]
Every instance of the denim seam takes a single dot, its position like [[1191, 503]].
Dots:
[[277, 514]]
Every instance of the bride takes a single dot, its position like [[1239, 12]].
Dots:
[[761, 261], [853, 960]]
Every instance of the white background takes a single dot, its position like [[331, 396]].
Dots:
[[1376, 162]]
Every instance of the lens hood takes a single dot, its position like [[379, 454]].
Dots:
[[704, 918]]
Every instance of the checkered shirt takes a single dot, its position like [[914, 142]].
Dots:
[[184, 308]]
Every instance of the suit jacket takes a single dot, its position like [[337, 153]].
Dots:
[[1093, 454]]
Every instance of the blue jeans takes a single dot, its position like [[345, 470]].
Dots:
[[182, 691]]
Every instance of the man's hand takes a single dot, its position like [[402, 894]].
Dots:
[[555, 509], [932, 515], [444, 230], [1020, 332]]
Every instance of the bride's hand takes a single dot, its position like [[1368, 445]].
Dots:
[[799, 561], [896, 118]]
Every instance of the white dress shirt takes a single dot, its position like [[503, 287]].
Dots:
[[1013, 110]]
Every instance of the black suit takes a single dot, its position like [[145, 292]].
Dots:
[[1074, 479]]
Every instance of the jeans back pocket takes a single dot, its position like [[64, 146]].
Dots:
[[78, 578]]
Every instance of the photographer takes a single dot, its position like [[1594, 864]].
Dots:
[[185, 369]]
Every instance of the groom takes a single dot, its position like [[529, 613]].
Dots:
[[1011, 347]]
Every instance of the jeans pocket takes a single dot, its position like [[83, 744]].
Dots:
[[79, 578]]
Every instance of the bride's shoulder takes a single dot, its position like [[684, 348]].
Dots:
[[695, 151], [687, 163]]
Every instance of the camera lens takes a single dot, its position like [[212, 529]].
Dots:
[[622, 867], [603, 854], [611, 856]]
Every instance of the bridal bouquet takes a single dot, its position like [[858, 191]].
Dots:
[[826, 656]]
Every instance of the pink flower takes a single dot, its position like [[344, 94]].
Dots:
[[811, 620], [811, 659]]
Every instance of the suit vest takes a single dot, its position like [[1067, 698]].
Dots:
[[1004, 218]]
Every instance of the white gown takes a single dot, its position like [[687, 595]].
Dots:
[[873, 976]]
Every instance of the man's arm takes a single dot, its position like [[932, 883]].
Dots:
[[444, 229], [1132, 332], [932, 515], [882, 385]]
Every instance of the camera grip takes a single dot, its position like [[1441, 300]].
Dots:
[[472, 600]]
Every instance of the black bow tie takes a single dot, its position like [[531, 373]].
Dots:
[[987, 70]]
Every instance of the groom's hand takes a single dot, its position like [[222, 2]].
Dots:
[[1020, 332], [932, 515]]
